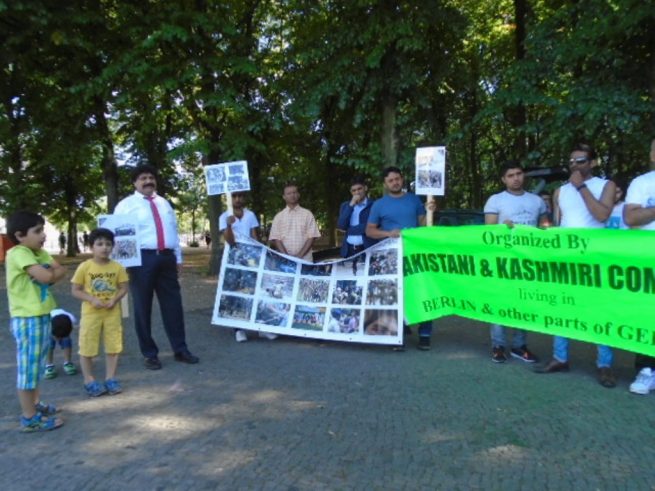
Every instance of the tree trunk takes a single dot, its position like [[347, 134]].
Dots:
[[519, 115], [389, 137], [109, 166]]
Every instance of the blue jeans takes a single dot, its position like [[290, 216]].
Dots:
[[498, 337], [425, 329], [561, 352]]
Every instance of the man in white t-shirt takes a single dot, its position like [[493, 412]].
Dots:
[[242, 222], [639, 212], [583, 202], [513, 206]]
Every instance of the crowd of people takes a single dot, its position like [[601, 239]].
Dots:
[[99, 283]]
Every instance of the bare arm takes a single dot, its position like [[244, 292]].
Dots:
[[637, 215], [78, 292], [279, 246], [120, 293], [374, 232], [490, 219], [600, 209], [306, 247], [47, 275], [557, 213]]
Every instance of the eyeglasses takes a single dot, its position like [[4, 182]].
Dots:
[[578, 160]]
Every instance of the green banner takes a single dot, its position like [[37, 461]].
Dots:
[[594, 285]]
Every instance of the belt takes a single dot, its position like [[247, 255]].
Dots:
[[163, 252]]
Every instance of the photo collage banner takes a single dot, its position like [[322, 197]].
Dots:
[[358, 299]]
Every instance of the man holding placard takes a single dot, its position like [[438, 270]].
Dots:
[[390, 214]]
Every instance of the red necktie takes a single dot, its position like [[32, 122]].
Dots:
[[161, 243]]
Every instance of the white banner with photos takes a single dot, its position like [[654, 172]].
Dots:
[[358, 299]]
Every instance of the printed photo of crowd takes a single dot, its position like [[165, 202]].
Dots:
[[383, 262], [308, 318], [316, 269], [347, 292], [382, 292], [315, 291]]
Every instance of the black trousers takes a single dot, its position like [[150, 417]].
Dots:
[[157, 274]]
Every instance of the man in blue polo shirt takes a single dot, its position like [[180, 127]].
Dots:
[[390, 214]]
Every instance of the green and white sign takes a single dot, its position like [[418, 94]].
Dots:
[[595, 285]]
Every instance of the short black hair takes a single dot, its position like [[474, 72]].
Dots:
[[21, 221], [101, 233], [585, 147], [358, 180], [389, 170], [61, 326], [510, 164], [143, 169], [289, 184]]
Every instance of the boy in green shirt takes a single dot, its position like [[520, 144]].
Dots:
[[30, 272]]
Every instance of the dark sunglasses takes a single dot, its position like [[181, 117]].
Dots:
[[579, 160]]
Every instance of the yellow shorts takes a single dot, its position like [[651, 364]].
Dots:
[[107, 323]]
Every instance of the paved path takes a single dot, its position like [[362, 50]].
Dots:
[[294, 414]]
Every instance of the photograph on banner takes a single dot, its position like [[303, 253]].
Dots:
[[227, 177], [430, 171], [127, 249], [261, 289]]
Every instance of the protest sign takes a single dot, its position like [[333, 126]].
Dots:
[[354, 300], [595, 285], [430, 171], [229, 177], [127, 249]]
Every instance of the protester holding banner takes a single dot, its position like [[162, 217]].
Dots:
[[294, 229], [513, 206], [390, 214], [160, 258], [242, 222], [584, 202], [353, 217], [639, 212]]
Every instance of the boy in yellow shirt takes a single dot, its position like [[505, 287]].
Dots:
[[100, 283], [30, 273]]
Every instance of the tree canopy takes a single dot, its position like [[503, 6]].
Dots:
[[311, 91]]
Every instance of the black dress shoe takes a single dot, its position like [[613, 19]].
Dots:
[[152, 363], [553, 366], [186, 357]]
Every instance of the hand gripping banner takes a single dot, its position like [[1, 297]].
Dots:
[[595, 285], [354, 300]]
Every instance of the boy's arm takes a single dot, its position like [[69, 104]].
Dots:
[[46, 274], [78, 292], [120, 293]]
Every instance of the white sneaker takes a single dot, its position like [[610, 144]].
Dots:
[[268, 335], [644, 383], [240, 336]]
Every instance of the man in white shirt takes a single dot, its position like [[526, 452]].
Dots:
[[241, 222], [583, 202], [639, 212], [161, 256]]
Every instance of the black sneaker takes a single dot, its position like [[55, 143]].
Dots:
[[186, 357], [424, 343], [524, 354], [498, 354], [152, 363]]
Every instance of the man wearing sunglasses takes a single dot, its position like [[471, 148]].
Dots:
[[583, 202]]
